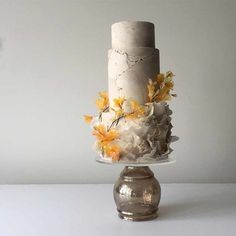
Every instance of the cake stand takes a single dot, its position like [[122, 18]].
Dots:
[[137, 192]]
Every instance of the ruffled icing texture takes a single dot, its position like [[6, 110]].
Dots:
[[144, 138]]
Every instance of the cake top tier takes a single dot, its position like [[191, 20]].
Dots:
[[127, 34]]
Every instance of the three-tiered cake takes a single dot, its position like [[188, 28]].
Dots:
[[134, 123]]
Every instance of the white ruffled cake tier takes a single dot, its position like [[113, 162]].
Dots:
[[142, 140]]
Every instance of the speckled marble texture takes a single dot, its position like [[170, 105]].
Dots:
[[132, 60]]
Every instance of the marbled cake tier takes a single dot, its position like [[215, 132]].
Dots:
[[132, 60]]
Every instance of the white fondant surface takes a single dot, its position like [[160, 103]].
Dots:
[[129, 71], [127, 34]]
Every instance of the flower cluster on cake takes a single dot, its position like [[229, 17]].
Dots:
[[134, 123]]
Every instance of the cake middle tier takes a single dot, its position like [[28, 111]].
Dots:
[[129, 71]]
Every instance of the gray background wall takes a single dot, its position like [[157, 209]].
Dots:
[[53, 61]]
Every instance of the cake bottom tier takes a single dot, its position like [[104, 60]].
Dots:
[[144, 138]]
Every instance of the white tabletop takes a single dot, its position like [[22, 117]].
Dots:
[[74, 210]]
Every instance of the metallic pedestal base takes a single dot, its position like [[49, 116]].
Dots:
[[137, 194]]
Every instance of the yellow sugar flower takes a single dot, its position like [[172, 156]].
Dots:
[[113, 151], [163, 95], [119, 113], [151, 89], [103, 101], [88, 119], [169, 74], [168, 84], [137, 110], [103, 135], [118, 102], [118, 106], [160, 79], [165, 84]]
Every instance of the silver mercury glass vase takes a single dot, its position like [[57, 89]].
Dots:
[[137, 194]]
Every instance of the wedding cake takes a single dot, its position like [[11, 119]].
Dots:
[[134, 123]]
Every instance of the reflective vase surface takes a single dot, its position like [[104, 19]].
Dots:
[[137, 194]]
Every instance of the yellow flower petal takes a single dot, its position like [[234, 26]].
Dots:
[[169, 74], [88, 119], [118, 106], [163, 94], [118, 102], [165, 84], [119, 113], [113, 151], [169, 85], [103, 101], [136, 110], [151, 89], [160, 78], [103, 135]]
